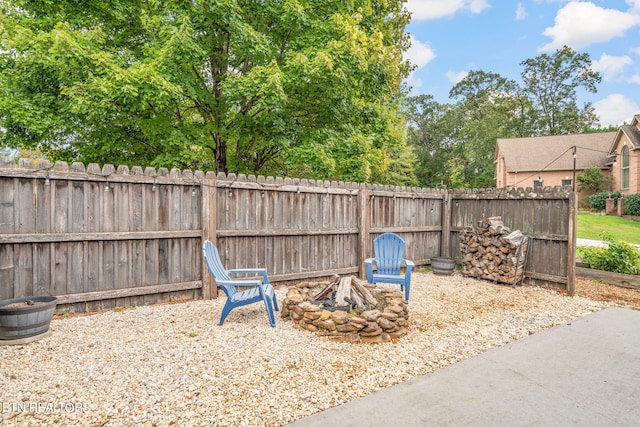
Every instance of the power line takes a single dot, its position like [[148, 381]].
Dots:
[[574, 149], [548, 164]]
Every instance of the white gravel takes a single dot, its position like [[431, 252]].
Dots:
[[172, 365]]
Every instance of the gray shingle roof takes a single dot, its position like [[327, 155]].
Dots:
[[555, 152], [633, 133]]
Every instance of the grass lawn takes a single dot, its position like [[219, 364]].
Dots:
[[590, 226]]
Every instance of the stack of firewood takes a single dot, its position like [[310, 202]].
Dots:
[[492, 251]]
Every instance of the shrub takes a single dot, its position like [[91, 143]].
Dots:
[[583, 204], [593, 179], [598, 201], [590, 255], [619, 257], [632, 204]]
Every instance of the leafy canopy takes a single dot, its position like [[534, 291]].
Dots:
[[551, 82], [295, 87]]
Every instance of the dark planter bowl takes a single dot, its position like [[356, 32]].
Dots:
[[442, 265], [28, 321]]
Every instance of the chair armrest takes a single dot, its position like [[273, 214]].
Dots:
[[408, 267], [369, 265], [228, 285], [244, 283], [257, 271]]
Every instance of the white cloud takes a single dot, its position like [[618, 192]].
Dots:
[[635, 6], [422, 10], [456, 76], [636, 50], [419, 53], [521, 13], [579, 24], [615, 110], [610, 66]]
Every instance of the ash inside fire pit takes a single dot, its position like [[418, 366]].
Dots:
[[347, 309]]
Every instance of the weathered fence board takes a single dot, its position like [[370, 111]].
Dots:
[[71, 231], [294, 229], [105, 237], [543, 215], [414, 214]]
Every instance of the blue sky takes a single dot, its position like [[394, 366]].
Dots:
[[452, 37]]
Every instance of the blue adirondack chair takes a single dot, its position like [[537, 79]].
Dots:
[[260, 290], [388, 249]]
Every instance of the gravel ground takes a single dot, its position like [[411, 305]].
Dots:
[[172, 365], [617, 295]]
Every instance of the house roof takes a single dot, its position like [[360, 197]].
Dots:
[[553, 153], [632, 133]]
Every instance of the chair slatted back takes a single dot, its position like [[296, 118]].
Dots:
[[389, 253], [214, 264]]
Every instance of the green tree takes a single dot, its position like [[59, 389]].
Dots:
[[292, 87], [455, 143], [592, 129], [401, 169], [430, 126], [551, 82], [490, 107], [592, 179]]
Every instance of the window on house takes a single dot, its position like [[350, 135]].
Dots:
[[567, 183], [625, 167], [537, 183]]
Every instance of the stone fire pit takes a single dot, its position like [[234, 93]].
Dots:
[[384, 320]]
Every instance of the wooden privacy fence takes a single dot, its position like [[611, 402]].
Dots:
[[546, 216], [98, 238], [105, 237]]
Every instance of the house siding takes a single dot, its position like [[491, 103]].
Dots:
[[621, 141], [518, 159], [549, 179], [634, 176], [501, 173], [616, 175]]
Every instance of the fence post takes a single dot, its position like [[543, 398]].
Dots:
[[364, 225], [621, 209], [209, 193], [445, 243], [571, 244], [610, 206]]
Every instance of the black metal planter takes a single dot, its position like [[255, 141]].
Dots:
[[25, 323]]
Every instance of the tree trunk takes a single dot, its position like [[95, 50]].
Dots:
[[221, 153]]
